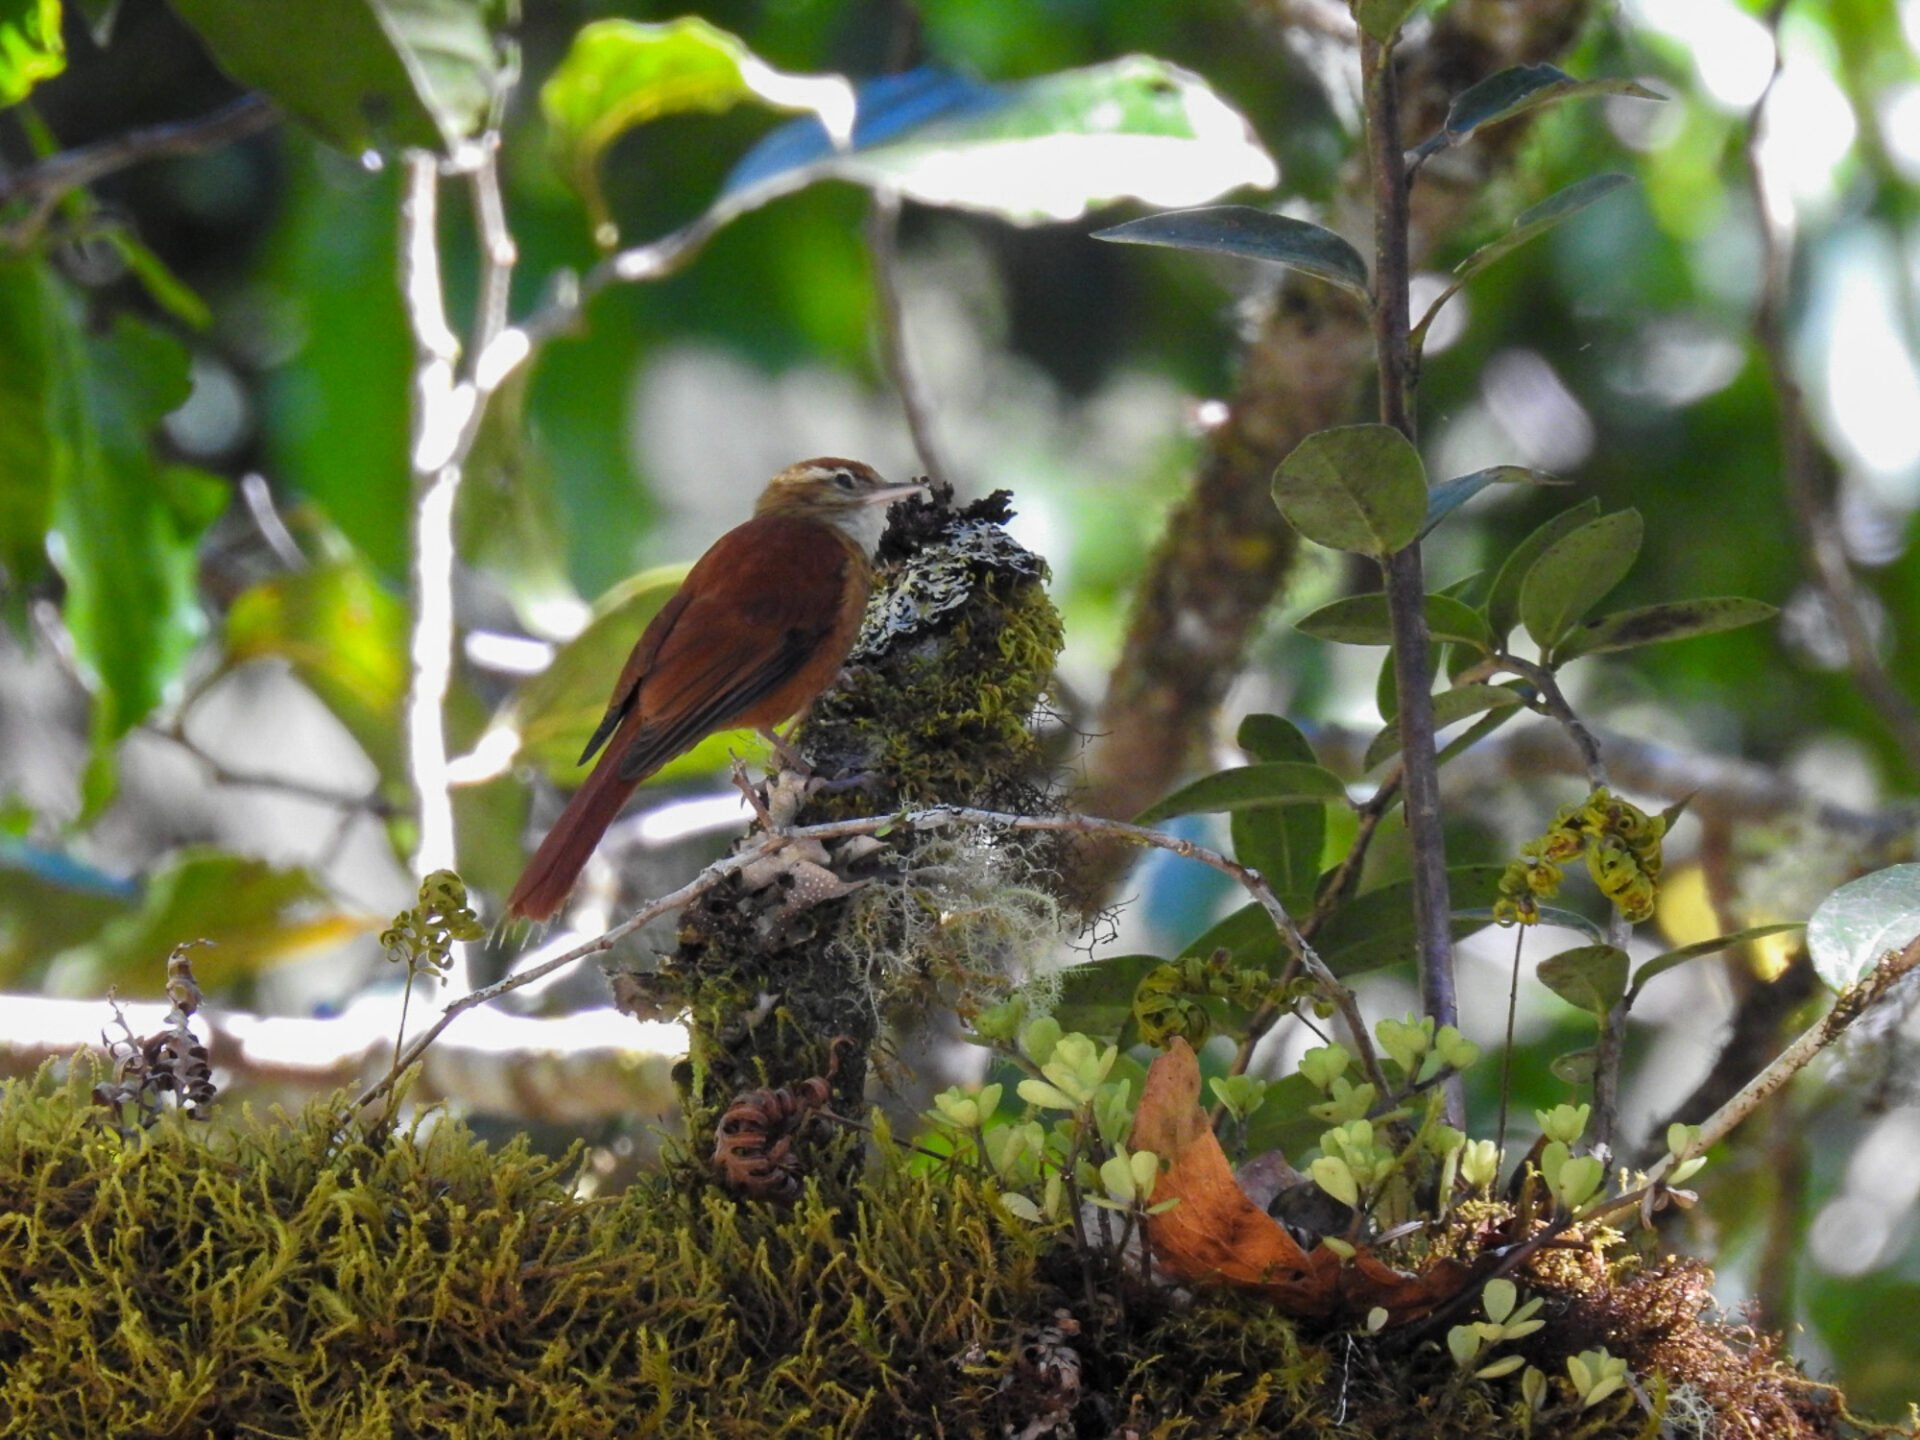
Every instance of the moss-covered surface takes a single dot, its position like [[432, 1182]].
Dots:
[[296, 1277]]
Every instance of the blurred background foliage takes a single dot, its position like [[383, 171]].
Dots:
[[232, 765]]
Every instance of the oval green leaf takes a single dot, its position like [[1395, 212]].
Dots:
[[1363, 620], [1652, 624], [1861, 921], [1515, 90], [1660, 964], [1503, 600], [1448, 706], [1247, 787], [396, 74], [1251, 234], [622, 73], [1450, 495], [1359, 488], [1282, 842], [1575, 574], [1042, 150], [1376, 929], [1592, 978]]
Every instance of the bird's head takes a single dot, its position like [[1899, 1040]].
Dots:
[[843, 493]]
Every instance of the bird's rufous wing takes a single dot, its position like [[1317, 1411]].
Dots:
[[750, 615]]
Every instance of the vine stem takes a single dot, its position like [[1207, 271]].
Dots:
[[1405, 583]]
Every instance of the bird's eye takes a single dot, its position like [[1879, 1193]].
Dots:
[[846, 479]]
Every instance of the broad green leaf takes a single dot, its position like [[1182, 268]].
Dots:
[[1538, 219], [1592, 978], [1576, 1067], [1531, 223], [1549, 915], [1450, 495], [1651, 624], [345, 636], [31, 49], [362, 74], [557, 710], [32, 315], [126, 530], [1376, 929], [1360, 488], [256, 915], [622, 73], [1862, 921], [1363, 620], [1046, 149], [1448, 707], [1251, 234], [163, 287], [1248, 787], [1282, 842], [52, 901], [1575, 573], [1660, 964], [1382, 19], [507, 519], [1248, 933], [1514, 91], [1096, 996], [1503, 599]]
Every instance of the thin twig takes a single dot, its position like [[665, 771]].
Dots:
[[369, 802], [883, 232], [58, 175], [258, 497], [930, 819]]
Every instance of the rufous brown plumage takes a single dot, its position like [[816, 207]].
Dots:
[[759, 627]]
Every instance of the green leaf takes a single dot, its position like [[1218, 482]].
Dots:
[[362, 74], [1592, 978], [1248, 933], [621, 73], [30, 47], [1042, 150], [1531, 223], [1096, 996], [1862, 921], [1549, 915], [256, 915], [1652, 624], [1576, 1067], [1363, 620], [1575, 574], [556, 711], [1375, 929], [1282, 842], [345, 636], [1359, 488], [1247, 787], [127, 528], [1251, 234], [1660, 964], [1503, 599], [32, 315], [507, 518], [1382, 19], [1450, 495], [1514, 91], [1538, 219], [1448, 707]]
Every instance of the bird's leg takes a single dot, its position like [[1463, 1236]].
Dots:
[[788, 756], [747, 788]]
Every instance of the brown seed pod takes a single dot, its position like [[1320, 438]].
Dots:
[[753, 1145]]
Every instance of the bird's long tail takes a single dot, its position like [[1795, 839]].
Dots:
[[563, 854]]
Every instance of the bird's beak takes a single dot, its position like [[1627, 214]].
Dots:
[[887, 494]]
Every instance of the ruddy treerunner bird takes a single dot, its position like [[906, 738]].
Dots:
[[758, 628]]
